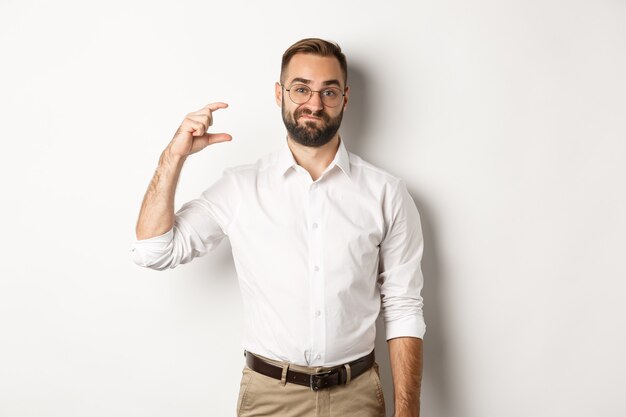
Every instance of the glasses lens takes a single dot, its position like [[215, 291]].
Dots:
[[300, 93], [331, 97]]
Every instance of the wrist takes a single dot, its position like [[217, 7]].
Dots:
[[172, 159], [406, 414], [407, 411]]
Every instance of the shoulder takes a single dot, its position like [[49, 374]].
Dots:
[[371, 174]]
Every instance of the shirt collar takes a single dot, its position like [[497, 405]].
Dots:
[[286, 159]]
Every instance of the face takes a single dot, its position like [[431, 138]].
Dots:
[[312, 123]]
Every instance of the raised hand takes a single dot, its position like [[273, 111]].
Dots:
[[192, 135]]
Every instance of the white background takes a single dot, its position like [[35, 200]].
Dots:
[[507, 119]]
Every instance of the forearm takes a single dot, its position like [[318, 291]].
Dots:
[[157, 210], [405, 354]]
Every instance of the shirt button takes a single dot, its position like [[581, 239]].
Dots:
[[314, 225], [318, 313], [318, 357], [316, 268]]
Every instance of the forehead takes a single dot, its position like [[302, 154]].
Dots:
[[313, 67]]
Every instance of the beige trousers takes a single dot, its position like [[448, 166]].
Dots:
[[260, 395]]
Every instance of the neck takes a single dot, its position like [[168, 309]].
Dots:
[[314, 159]]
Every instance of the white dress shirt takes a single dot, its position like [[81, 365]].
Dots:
[[315, 260]]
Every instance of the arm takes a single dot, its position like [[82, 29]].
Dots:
[[157, 210], [405, 354], [156, 216], [401, 282], [166, 239]]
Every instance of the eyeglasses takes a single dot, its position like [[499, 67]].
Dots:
[[300, 94]]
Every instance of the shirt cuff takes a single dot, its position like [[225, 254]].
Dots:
[[413, 326], [145, 251], [165, 237]]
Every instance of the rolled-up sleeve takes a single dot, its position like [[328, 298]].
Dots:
[[400, 274], [199, 227]]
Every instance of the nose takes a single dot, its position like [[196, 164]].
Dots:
[[315, 102]]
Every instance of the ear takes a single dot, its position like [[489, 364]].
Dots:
[[346, 97], [278, 94]]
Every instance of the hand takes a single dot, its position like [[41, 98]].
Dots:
[[192, 135]]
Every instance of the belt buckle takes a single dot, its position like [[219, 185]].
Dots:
[[314, 383]]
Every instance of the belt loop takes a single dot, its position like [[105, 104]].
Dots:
[[283, 378], [348, 373]]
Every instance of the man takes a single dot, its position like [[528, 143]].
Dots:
[[320, 239]]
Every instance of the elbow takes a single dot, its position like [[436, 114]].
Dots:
[[156, 253], [159, 264]]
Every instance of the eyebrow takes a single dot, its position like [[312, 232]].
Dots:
[[332, 82], [305, 81]]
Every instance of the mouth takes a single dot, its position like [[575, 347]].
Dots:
[[309, 117]]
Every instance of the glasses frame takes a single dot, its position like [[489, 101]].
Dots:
[[288, 90]]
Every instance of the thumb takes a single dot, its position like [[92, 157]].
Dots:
[[218, 137], [201, 142]]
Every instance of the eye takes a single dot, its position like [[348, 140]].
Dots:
[[329, 93], [301, 89]]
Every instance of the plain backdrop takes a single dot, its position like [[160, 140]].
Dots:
[[507, 120]]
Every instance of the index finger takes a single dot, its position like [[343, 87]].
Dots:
[[215, 106]]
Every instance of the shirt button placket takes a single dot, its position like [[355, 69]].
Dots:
[[317, 280]]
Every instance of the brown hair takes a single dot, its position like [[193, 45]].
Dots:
[[315, 46]]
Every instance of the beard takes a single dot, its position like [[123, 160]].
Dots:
[[309, 133]]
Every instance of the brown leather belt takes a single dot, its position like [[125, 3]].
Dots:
[[336, 375]]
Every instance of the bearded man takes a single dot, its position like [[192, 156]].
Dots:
[[322, 241]]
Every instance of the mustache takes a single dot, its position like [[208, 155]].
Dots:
[[304, 111]]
